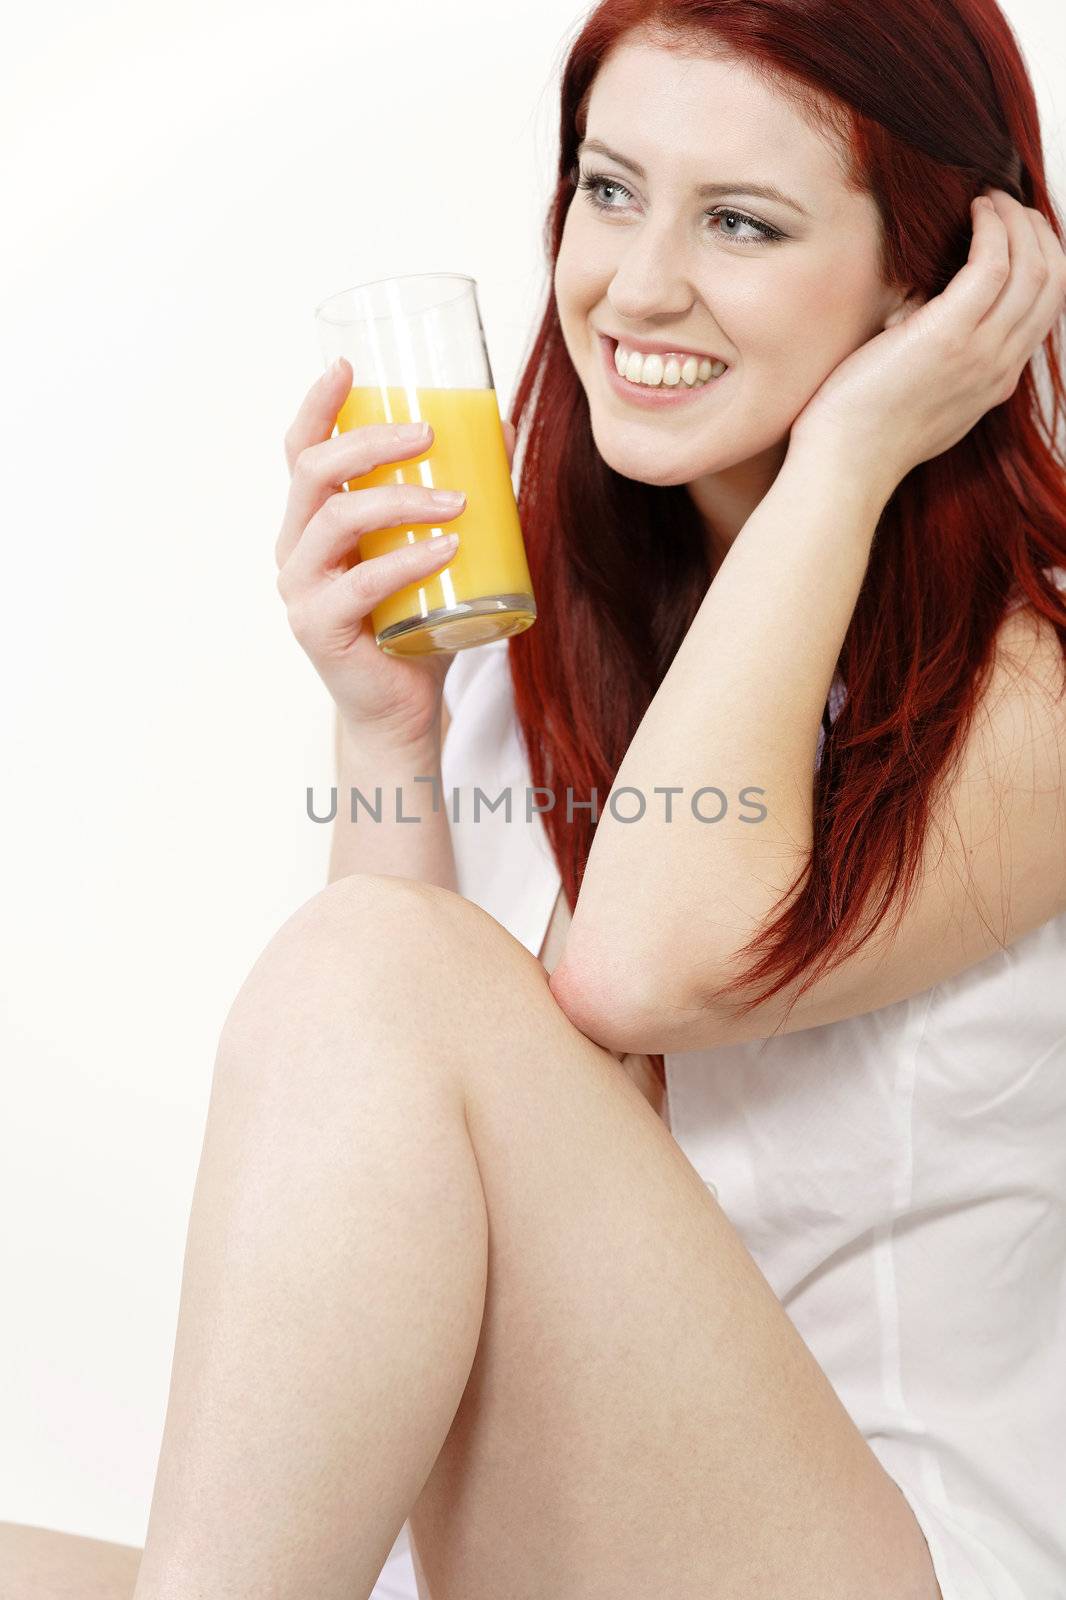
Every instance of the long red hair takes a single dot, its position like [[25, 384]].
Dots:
[[932, 102]]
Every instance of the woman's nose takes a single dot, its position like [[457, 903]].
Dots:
[[652, 276]]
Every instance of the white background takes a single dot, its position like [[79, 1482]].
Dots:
[[181, 186]]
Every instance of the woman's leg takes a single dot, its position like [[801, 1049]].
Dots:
[[642, 1421], [334, 1276], [44, 1564], [445, 1260]]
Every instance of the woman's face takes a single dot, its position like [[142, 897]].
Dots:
[[663, 263]]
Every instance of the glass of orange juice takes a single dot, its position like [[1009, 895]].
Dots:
[[418, 353]]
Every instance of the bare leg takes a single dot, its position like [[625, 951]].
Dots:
[[444, 1260], [334, 1277], [43, 1564]]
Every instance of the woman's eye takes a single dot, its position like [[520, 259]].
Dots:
[[595, 185], [760, 228]]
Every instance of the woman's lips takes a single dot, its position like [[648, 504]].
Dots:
[[652, 399]]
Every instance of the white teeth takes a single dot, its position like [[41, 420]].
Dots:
[[654, 372]]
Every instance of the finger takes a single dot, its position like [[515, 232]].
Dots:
[[1037, 273], [1050, 305], [975, 287], [320, 470], [335, 615], [336, 528], [509, 436], [1053, 247], [1027, 279], [317, 416]]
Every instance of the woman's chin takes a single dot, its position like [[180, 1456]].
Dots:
[[651, 461]]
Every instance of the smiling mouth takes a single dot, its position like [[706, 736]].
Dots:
[[654, 372], [682, 389]]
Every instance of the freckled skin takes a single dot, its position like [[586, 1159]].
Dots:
[[783, 314]]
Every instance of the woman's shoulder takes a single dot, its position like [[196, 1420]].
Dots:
[[1029, 643], [1054, 575], [1020, 626]]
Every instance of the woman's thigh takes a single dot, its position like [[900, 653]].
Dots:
[[642, 1417]]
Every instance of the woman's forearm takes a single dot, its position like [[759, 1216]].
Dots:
[[401, 831], [738, 709]]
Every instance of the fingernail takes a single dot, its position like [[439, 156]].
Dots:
[[446, 497], [335, 369]]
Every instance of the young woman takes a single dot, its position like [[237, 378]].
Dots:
[[800, 1333]]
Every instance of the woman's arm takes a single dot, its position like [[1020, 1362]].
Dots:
[[406, 848], [665, 907], [669, 897], [993, 869]]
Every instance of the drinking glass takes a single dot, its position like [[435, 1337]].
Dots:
[[418, 352]]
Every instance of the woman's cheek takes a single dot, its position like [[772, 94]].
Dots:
[[837, 301], [800, 338]]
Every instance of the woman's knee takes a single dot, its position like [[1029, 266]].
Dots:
[[417, 934], [405, 948], [326, 950]]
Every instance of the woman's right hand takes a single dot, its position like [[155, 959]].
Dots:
[[395, 700]]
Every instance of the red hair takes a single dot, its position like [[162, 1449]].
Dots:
[[930, 102]]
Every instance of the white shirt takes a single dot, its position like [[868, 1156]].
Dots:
[[898, 1177]]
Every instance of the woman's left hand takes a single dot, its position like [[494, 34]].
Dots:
[[916, 389]]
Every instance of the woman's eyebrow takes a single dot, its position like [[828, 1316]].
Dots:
[[769, 191]]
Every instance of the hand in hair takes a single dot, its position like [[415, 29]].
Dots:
[[917, 388]]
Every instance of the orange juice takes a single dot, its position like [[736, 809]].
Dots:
[[485, 591]]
